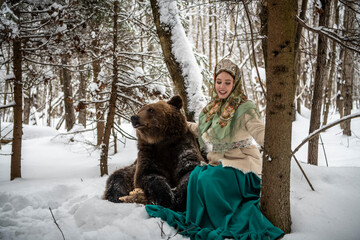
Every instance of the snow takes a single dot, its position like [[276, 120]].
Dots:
[[61, 172], [9, 77], [182, 50], [61, 28], [254, 75]]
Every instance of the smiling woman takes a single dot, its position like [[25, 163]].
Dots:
[[224, 83]]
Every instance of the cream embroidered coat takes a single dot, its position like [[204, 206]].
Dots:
[[247, 159]]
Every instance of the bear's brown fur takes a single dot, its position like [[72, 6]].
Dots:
[[168, 152]]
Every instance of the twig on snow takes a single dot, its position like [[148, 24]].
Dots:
[[56, 223]]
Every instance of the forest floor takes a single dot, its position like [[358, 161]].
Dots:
[[60, 176]]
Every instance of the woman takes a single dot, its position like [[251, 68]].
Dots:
[[223, 197]]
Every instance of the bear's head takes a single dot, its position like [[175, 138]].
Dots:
[[160, 121]]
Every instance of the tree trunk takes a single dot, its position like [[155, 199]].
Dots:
[[68, 98], [27, 106], [349, 24], [173, 64], [298, 54], [113, 97], [280, 82], [320, 75], [329, 83], [17, 129], [329, 88], [210, 36], [217, 33], [340, 89], [50, 98], [99, 107], [82, 97]]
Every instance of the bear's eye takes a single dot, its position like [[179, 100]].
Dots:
[[150, 110]]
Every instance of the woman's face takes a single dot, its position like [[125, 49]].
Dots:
[[224, 83]]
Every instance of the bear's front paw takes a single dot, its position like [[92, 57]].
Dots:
[[135, 196]]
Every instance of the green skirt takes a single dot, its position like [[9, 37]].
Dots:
[[222, 202]]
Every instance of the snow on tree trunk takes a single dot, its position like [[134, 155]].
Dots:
[[179, 57]]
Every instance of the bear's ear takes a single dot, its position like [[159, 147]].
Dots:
[[176, 101]]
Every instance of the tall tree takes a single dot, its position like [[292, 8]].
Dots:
[[280, 82], [17, 129], [210, 26], [349, 25], [332, 55], [320, 75], [113, 97]]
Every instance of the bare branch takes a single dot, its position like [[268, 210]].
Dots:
[[56, 223], [317, 132], [253, 49], [7, 105]]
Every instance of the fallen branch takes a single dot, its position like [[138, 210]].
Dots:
[[318, 131], [314, 134], [56, 223], [303, 172]]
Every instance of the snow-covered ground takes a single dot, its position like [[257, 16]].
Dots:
[[62, 173]]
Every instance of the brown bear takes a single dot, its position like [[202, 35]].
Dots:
[[167, 153]]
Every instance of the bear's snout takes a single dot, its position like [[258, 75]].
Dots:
[[135, 121]]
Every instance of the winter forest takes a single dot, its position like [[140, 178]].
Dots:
[[75, 71]]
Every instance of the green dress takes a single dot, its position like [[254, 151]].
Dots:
[[222, 202]]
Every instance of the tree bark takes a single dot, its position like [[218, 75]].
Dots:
[[349, 24], [68, 98], [320, 75], [99, 107], [50, 98], [27, 106], [210, 36], [329, 88], [280, 82], [340, 89], [18, 85], [82, 97], [113, 97]]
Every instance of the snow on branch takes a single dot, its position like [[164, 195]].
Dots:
[[332, 35], [8, 105]]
